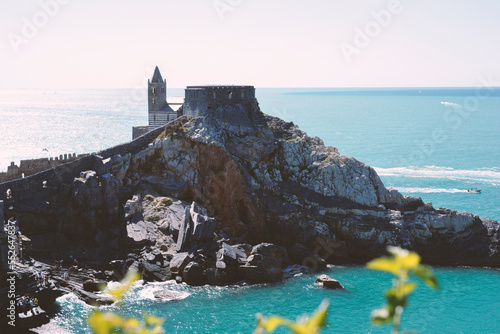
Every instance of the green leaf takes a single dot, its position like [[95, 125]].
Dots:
[[426, 274]]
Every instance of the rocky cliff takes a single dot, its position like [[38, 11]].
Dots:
[[238, 195]]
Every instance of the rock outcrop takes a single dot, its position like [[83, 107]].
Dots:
[[192, 203]]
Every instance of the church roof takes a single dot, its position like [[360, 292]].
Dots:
[[157, 76]]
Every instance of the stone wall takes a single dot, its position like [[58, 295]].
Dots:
[[200, 100], [138, 131], [33, 166], [29, 186]]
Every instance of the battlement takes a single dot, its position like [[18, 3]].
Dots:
[[200, 100], [34, 166]]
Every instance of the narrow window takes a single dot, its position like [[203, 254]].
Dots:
[[154, 101], [153, 90], [213, 93], [163, 89], [242, 94], [230, 95]]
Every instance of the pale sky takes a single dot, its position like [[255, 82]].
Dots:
[[266, 43]]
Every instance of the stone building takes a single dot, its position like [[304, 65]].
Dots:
[[200, 100], [160, 111]]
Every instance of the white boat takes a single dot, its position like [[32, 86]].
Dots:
[[474, 190]]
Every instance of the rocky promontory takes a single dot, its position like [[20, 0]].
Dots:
[[232, 196]]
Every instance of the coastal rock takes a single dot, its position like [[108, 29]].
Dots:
[[94, 285], [193, 274], [184, 231], [268, 250], [301, 255], [179, 262], [328, 282], [133, 206], [169, 295], [203, 226]]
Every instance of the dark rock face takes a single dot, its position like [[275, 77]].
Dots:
[[193, 274], [238, 179], [328, 282], [179, 262]]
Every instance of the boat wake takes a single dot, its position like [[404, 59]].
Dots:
[[450, 104], [410, 190], [490, 175]]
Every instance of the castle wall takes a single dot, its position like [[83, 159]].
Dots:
[[199, 100], [33, 166], [138, 131], [29, 186]]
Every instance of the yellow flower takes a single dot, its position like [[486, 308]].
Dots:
[[126, 284], [305, 325]]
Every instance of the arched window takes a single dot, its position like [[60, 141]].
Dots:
[[153, 90], [230, 95]]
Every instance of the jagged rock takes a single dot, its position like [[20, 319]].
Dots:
[[227, 257], [261, 269], [175, 218], [193, 274], [216, 276], [203, 226], [119, 269], [141, 232], [179, 262], [303, 256], [155, 272], [168, 295], [272, 251], [94, 285], [169, 187], [133, 206], [328, 282], [184, 232]]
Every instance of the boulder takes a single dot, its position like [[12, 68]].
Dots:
[[184, 232], [168, 295], [261, 269], [155, 272], [175, 218], [301, 255], [227, 257], [133, 206], [179, 262], [216, 276], [203, 225], [328, 282], [94, 285], [272, 251], [141, 232], [193, 274]]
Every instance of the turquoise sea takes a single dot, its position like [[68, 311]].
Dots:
[[430, 142]]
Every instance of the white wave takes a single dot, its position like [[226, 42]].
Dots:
[[148, 291], [450, 104], [405, 190], [491, 175]]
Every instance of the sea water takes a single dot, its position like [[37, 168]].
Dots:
[[427, 142]]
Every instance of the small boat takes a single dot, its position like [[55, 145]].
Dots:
[[474, 190]]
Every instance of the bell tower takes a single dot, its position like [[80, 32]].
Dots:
[[157, 92]]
